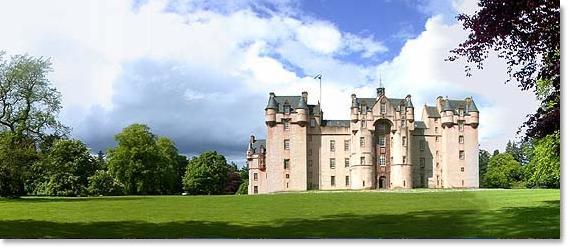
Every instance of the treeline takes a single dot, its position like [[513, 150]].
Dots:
[[532, 163], [141, 164], [38, 158]]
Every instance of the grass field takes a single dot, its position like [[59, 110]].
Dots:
[[408, 214]]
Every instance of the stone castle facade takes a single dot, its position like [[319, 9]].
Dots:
[[382, 146]]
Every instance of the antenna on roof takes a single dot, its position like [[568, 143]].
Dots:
[[380, 79], [320, 77]]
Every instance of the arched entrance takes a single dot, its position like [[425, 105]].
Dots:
[[382, 141]]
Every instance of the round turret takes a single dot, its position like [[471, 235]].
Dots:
[[354, 109], [302, 109], [271, 110], [447, 114], [409, 109], [473, 113]]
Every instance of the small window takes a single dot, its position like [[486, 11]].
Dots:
[[310, 152], [422, 162], [403, 159], [382, 140], [404, 140], [287, 186], [363, 124], [346, 145], [286, 144], [403, 123], [437, 153], [382, 160], [346, 181], [461, 139], [286, 125], [332, 163], [422, 145], [361, 141], [437, 165], [461, 155], [287, 108], [254, 176], [286, 164], [255, 191], [461, 126], [436, 138], [312, 122], [435, 120], [462, 169], [362, 161], [332, 145], [404, 183], [383, 108], [310, 163], [436, 129], [287, 176], [346, 162], [461, 112], [333, 183]]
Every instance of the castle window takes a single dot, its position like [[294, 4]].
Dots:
[[404, 141], [286, 125], [346, 162], [435, 129], [436, 139], [333, 183], [462, 169], [286, 164], [403, 123], [362, 160], [312, 122], [461, 139], [286, 144], [435, 120], [461, 155], [361, 141], [255, 190], [363, 124], [383, 108], [382, 160], [461, 112], [287, 108], [346, 145], [436, 154], [332, 163], [287, 176], [310, 163], [422, 162], [403, 159], [346, 181], [332, 143], [460, 126], [437, 165], [381, 127], [404, 183], [382, 140], [287, 186], [310, 152], [422, 145], [254, 176]]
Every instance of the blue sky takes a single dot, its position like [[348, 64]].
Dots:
[[200, 71]]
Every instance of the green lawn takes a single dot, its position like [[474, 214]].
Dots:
[[407, 214]]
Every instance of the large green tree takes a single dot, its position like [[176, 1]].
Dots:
[[484, 157], [66, 169], [543, 170], [103, 183], [526, 33], [14, 158], [179, 162], [140, 164], [206, 174], [503, 171]]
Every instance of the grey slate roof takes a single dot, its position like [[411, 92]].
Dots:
[[314, 110], [420, 124], [472, 107], [271, 103], [257, 144], [335, 123], [369, 102], [447, 105], [432, 112], [286, 100], [302, 104]]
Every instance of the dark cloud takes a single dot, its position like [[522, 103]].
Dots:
[[197, 108]]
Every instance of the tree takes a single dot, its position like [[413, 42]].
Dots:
[[29, 104], [503, 171], [527, 34], [102, 183], [206, 174], [177, 164], [14, 158], [234, 179], [242, 190], [139, 163], [543, 169], [244, 175], [66, 169], [484, 157]]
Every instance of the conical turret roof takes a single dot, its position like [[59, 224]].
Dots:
[[447, 106], [271, 104], [471, 107]]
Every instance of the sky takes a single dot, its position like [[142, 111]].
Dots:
[[199, 72]]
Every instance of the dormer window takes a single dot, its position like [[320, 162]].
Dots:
[[461, 112], [287, 108]]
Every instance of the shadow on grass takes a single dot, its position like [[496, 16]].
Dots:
[[522, 222]]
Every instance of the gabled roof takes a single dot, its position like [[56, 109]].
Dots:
[[369, 102], [335, 123], [257, 144]]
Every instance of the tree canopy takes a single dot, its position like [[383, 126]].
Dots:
[[207, 174], [527, 34], [503, 171]]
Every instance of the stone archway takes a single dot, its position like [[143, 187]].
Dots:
[[382, 145]]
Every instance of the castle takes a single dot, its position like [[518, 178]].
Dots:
[[382, 146]]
